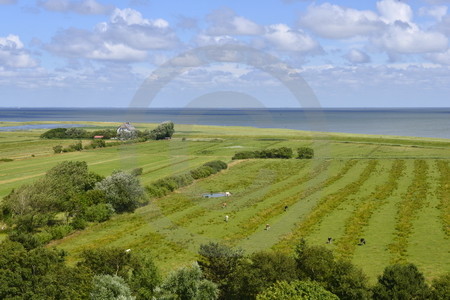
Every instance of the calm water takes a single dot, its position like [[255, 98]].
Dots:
[[423, 122]]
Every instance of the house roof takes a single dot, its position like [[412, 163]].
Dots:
[[127, 126]]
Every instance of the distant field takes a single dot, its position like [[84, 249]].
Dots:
[[391, 191]]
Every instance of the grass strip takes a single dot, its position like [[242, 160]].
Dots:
[[444, 194], [361, 215], [251, 225], [407, 209], [323, 207]]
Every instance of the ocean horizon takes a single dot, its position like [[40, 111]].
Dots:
[[419, 122]]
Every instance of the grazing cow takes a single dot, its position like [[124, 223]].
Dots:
[[267, 227], [228, 194], [330, 240], [226, 218], [362, 241], [286, 208]]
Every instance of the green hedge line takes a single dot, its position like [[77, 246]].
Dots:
[[166, 185], [283, 152]]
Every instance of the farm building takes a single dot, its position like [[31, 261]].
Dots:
[[126, 131]]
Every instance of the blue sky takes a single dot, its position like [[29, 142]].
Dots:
[[95, 53]]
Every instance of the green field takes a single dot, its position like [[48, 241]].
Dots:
[[392, 191]]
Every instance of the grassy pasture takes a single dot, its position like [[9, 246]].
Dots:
[[357, 186]]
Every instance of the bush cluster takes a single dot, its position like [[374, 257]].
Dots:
[[166, 185], [283, 152], [77, 133], [65, 199]]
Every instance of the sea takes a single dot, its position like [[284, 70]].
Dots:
[[419, 122]]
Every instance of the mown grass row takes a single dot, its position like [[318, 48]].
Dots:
[[266, 214], [254, 189], [325, 206], [408, 207], [250, 225], [361, 215], [287, 184], [444, 194]]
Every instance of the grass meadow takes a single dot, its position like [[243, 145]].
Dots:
[[391, 191]]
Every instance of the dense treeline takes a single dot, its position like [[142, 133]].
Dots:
[[168, 184], [221, 272], [162, 131], [67, 198], [282, 152]]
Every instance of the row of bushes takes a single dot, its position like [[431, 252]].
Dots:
[[162, 131], [283, 152], [77, 133], [166, 185], [78, 146]]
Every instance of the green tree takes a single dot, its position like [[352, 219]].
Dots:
[[348, 282], [188, 284], [122, 190], [259, 271], [440, 288], [314, 262], [107, 261], [55, 133], [296, 290], [165, 129], [305, 153], [39, 274], [218, 263], [110, 287], [401, 282], [144, 277]]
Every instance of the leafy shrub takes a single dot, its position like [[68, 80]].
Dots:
[[58, 149], [78, 223], [283, 290], [6, 159], [305, 153], [202, 172], [99, 212], [136, 172], [217, 165], [282, 152], [60, 231], [43, 237], [122, 190], [98, 143], [28, 240], [55, 133]]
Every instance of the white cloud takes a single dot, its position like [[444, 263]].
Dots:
[[13, 54], [437, 12], [336, 22], [356, 56], [206, 40], [391, 30], [226, 22], [110, 51], [84, 7], [444, 25], [286, 39], [130, 16], [393, 10], [126, 37], [442, 58], [408, 38]]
